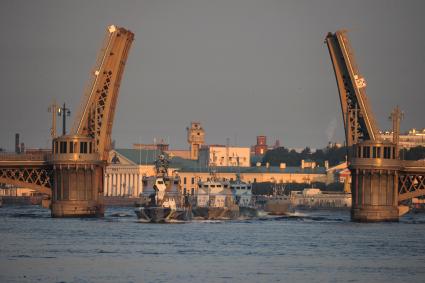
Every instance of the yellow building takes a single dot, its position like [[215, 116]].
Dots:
[[17, 192], [126, 168], [274, 174]]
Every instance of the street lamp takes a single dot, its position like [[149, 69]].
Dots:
[[64, 112]]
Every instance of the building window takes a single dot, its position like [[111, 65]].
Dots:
[[366, 152], [184, 180], [193, 181], [387, 152], [71, 147], [83, 147], [255, 180], [374, 152], [62, 147]]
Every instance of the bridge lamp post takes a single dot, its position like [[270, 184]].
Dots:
[[64, 112]]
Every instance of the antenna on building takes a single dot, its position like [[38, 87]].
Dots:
[[396, 116], [227, 151], [140, 151]]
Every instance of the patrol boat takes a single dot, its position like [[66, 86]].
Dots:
[[214, 200], [161, 200], [279, 203], [242, 193]]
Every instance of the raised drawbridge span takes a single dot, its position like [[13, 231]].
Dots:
[[380, 180], [72, 174]]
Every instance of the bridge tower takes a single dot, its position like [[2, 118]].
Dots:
[[79, 159], [373, 163]]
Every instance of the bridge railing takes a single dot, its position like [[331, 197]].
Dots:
[[415, 166], [9, 156]]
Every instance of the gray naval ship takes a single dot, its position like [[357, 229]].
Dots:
[[161, 200], [278, 203], [214, 200], [242, 193]]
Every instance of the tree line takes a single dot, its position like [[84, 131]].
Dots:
[[334, 155]]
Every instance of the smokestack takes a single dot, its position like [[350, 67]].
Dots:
[[17, 148]]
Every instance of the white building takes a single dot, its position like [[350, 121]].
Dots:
[[411, 139], [125, 170], [221, 155]]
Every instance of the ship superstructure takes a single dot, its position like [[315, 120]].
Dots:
[[161, 200], [215, 200]]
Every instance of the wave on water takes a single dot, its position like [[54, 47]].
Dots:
[[208, 221], [121, 214], [29, 215]]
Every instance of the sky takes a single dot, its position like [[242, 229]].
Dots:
[[240, 67]]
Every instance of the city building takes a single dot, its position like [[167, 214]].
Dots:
[[315, 198], [338, 173], [412, 138], [222, 155], [126, 168], [13, 191], [165, 147], [195, 138], [273, 174], [155, 146], [261, 147]]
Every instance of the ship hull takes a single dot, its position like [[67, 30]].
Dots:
[[248, 212], [215, 213], [162, 214], [277, 207]]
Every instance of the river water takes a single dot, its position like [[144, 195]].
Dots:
[[321, 246]]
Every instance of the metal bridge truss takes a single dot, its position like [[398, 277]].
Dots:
[[411, 185], [37, 178]]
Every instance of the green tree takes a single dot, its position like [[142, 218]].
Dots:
[[414, 153], [334, 155]]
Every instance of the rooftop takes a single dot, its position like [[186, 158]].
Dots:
[[148, 157]]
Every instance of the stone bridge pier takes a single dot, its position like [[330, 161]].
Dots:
[[374, 186], [78, 178]]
